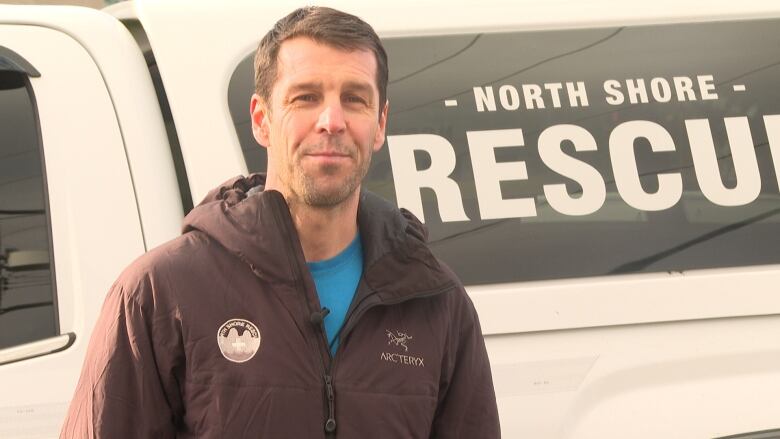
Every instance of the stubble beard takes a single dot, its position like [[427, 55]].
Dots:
[[311, 194]]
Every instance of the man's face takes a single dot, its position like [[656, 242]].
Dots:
[[323, 122]]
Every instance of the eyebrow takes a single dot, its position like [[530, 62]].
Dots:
[[305, 86], [362, 88]]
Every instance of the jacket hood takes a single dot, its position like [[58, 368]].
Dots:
[[256, 226], [233, 213]]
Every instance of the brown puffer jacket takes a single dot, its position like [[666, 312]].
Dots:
[[216, 335]]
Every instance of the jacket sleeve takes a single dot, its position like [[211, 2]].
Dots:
[[467, 402], [126, 388]]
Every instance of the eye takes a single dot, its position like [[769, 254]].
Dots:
[[309, 97], [355, 99]]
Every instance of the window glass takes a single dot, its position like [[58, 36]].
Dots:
[[27, 308], [560, 154]]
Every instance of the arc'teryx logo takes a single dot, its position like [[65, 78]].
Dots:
[[399, 338]]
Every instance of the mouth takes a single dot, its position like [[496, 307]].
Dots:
[[328, 154], [327, 160]]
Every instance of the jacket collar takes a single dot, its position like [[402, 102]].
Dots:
[[256, 226]]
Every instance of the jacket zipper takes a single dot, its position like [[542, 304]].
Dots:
[[330, 423], [327, 376], [330, 395]]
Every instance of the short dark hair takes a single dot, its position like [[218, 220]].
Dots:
[[326, 26]]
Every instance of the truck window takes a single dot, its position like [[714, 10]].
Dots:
[[27, 308], [560, 154]]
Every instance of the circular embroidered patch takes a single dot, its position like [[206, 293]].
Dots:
[[238, 340]]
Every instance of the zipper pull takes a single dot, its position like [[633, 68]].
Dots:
[[330, 424]]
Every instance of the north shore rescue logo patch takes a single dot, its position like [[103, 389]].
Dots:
[[238, 340]]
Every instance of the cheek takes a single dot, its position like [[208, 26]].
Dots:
[[294, 131], [364, 132]]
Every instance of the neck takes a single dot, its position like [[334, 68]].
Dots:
[[325, 232]]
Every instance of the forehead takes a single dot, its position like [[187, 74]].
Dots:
[[305, 60]]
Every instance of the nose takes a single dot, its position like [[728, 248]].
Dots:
[[331, 120]]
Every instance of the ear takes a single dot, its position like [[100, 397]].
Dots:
[[258, 112], [379, 140]]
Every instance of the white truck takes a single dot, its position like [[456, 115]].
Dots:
[[603, 176]]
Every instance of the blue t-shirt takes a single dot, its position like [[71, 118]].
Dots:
[[337, 280]]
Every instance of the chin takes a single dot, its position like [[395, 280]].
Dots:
[[326, 200]]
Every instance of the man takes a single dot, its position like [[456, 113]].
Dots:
[[332, 317]]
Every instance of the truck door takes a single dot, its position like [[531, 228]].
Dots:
[[62, 160]]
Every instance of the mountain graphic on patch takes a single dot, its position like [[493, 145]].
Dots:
[[238, 340]]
